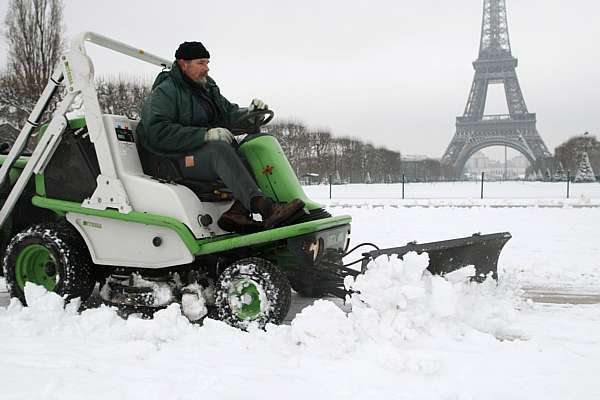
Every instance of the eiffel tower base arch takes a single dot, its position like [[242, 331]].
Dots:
[[472, 136]]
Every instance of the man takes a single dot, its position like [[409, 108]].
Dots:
[[186, 117]]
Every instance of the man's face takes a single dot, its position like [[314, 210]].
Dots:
[[196, 70]]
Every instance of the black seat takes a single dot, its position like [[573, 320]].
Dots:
[[164, 168]]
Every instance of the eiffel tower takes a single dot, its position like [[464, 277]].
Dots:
[[474, 130]]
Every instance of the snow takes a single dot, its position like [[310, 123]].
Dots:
[[460, 194], [193, 302], [409, 335]]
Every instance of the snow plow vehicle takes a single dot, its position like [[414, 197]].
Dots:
[[86, 207]]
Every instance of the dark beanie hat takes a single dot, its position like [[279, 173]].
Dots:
[[191, 51]]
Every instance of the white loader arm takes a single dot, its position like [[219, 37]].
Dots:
[[110, 191]]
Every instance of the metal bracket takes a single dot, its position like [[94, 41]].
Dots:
[[109, 193]]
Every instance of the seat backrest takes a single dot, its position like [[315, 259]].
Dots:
[[121, 134], [164, 167], [146, 194], [156, 165], [149, 161]]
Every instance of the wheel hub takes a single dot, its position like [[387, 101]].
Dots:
[[36, 264], [245, 299], [50, 269]]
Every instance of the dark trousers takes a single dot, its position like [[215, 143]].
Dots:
[[220, 160]]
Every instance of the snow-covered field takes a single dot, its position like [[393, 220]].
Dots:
[[408, 336], [463, 194]]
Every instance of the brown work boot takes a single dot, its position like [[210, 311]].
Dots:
[[280, 214], [237, 219]]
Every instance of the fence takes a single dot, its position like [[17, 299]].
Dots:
[[480, 189]]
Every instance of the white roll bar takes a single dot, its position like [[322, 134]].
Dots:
[[120, 47]]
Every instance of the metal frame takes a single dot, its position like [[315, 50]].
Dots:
[[479, 251], [474, 130]]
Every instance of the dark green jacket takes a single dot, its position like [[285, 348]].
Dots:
[[178, 113]]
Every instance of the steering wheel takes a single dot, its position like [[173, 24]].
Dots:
[[251, 121]]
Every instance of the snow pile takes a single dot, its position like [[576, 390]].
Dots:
[[324, 329], [399, 300], [47, 314], [193, 301], [399, 303], [403, 320]]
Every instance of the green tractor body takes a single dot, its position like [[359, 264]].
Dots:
[[293, 252]]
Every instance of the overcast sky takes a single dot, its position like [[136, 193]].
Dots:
[[394, 73]]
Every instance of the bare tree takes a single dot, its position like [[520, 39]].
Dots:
[[122, 95], [293, 138], [345, 159], [34, 34]]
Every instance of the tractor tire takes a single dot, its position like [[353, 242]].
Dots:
[[51, 255], [4, 239], [5, 233], [252, 291]]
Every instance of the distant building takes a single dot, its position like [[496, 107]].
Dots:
[[478, 161], [519, 161], [494, 169]]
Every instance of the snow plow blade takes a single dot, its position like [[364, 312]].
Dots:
[[481, 251]]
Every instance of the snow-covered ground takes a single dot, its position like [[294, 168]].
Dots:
[[408, 336]]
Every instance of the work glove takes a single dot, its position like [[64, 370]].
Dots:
[[257, 104], [218, 134]]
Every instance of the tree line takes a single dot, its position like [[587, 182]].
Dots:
[[317, 156]]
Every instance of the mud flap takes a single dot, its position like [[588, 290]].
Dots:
[[481, 251]]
